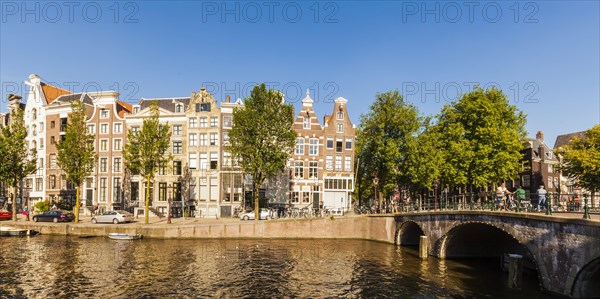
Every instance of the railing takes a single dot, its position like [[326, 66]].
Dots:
[[555, 202]]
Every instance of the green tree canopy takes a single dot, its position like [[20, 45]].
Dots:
[[581, 160], [76, 155], [262, 138], [17, 160], [147, 149], [385, 136], [482, 135]]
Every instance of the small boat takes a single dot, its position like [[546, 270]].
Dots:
[[117, 236], [7, 231]]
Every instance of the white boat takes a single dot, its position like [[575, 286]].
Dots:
[[7, 231], [118, 236]]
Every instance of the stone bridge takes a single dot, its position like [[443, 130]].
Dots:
[[564, 252]]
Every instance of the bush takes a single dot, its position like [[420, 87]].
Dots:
[[42, 206]]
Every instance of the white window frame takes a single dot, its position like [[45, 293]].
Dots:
[[193, 139], [313, 146], [103, 114], [115, 169], [105, 142], [120, 148], [117, 125], [91, 128], [104, 128], [299, 148]]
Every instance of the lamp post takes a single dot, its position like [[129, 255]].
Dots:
[[169, 199], [586, 210], [375, 182]]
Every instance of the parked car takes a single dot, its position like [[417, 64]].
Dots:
[[5, 215], [115, 217], [264, 214], [55, 216]]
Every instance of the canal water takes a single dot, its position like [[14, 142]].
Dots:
[[71, 267]]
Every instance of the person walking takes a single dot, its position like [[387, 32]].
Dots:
[[541, 193]]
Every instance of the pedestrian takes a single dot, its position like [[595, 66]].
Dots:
[[541, 193]]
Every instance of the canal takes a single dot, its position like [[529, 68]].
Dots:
[[71, 267]]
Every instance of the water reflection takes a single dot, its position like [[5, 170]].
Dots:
[[56, 266]]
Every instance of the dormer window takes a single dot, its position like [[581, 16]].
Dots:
[[103, 113], [340, 115], [202, 107], [178, 108], [306, 122], [136, 110], [340, 128]]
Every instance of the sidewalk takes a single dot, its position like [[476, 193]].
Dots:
[[151, 220]]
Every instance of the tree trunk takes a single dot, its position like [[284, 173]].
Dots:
[[14, 202], [77, 202], [256, 196], [147, 206]]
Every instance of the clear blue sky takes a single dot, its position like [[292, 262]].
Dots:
[[548, 52]]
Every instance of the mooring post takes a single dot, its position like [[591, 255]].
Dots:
[[515, 271], [423, 248]]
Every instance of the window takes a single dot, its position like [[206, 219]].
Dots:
[[214, 163], [103, 128], [193, 139], [348, 143], [214, 122], [227, 121], [306, 122], [103, 113], [162, 191], [340, 115], [52, 125], [176, 147], [117, 144], [193, 160], [52, 140], [299, 146], [178, 108], [305, 197], [202, 139], [162, 168], [549, 168], [329, 162], [63, 124], [103, 189], [136, 110], [135, 130], [103, 164], [41, 127], [116, 190], [213, 138], [38, 184], [348, 163], [177, 130], [549, 183], [329, 143], [203, 122], [227, 159], [41, 143], [226, 137], [34, 129], [193, 122], [313, 169], [176, 167], [338, 146], [63, 182], [313, 146], [103, 145], [53, 161], [338, 162], [340, 128], [298, 169], [203, 107], [52, 182], [33, 114], [203, 160], [117, 128], [295, 197], [117, 164], [91, 129]]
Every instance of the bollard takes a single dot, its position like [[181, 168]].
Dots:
[[423, 248], [515, 271], [549, 204]]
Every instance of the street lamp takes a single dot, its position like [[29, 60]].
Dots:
[[169, 199], [375, 183]]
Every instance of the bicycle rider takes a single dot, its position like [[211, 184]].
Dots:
[[500, 193]]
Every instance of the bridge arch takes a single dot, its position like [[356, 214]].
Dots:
[[479, 239], [409, 233], [586, 282]]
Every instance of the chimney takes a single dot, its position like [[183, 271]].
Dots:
[[227, 99], [539, 136]]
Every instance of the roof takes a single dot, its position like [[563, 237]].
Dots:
[[535, 145], [562, 140], [75, 96], [51, 92], [165, 103], [123, 108]]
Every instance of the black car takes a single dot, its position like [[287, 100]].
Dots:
[[55, 216]]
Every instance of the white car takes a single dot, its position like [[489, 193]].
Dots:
[[115, 217], [264, 214]]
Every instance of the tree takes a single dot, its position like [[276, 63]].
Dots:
[[425, 158], [76, 154], [581, 160], [17, 160], [262, 138], [386, 133], [482, 135], [146, 150]]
